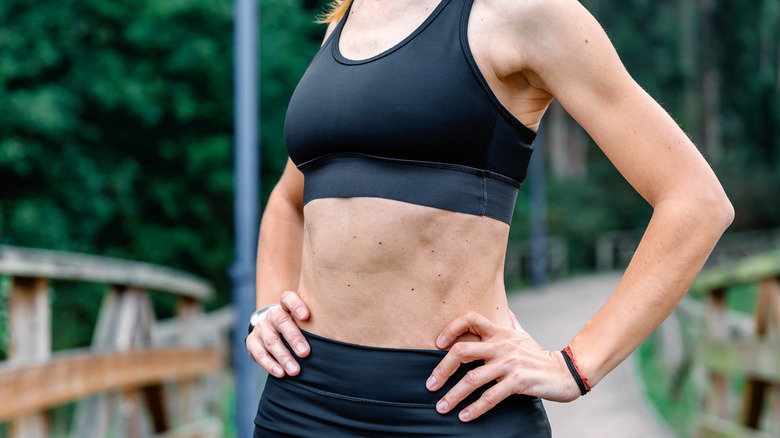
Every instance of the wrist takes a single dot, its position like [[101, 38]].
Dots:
[[581, 380], [258, 315]]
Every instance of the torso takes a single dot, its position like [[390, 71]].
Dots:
[[393, 274], [374, 27]]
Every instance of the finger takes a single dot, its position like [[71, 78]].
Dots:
[[259, 354], [488, 400], [462, 352], [469, 322], [473, 380], [292, 303], [283, 323], [276, 348]]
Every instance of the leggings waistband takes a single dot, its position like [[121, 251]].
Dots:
[[362, 372], [347, 390]]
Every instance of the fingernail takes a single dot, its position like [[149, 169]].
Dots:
[[300, 347], [300, 312], [464, 416], [277, 371], [441, 342], [441, 406], [291, 367], [431, 382]]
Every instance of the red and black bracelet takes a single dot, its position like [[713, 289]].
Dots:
[[582, 382]]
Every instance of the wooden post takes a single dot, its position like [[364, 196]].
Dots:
[[35, 382], [130, 414], [30, 327], [154, 395], [187, 311], [717, 402], [756, 391], [124, 322]]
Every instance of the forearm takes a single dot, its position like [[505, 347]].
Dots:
[[279, 248], [677, 242]]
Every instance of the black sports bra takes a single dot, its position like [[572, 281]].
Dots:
[[416, 123]]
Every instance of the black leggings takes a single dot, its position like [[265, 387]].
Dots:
[[352, 390]]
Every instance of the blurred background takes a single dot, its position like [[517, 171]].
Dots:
[[116, 139]]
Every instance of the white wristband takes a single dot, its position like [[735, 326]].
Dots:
[[258, 315]]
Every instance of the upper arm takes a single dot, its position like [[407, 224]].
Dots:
[[290, 187], [573, 59]]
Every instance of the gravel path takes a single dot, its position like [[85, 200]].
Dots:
[[616, 407]]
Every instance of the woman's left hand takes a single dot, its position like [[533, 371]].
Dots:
[[512, 358]]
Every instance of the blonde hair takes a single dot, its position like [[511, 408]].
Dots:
[[336, 10]]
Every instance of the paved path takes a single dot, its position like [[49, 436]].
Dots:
[[615, 408]]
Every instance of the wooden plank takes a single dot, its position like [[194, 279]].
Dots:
[[59, 265], [92, 415], [29, 320], [124, 322], [753, 400], [73, 376], [770, 289], [207, 328], [713, 427], [130, 415], [767, 323], [747, 270], [716, 325], [758, 358], [210, 427], [154, 398], [31, 426], [189, 403], [30, 327], [773, 419]]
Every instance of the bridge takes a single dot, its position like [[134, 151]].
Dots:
[[736, 354], [144, 377], [141, 377], [616, 408]]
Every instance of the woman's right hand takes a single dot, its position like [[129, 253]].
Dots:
[[265, 344]]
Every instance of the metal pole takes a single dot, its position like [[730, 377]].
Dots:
[[246, 212], [537, 195]]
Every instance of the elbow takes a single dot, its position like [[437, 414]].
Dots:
[[715, 210], [726, 213], [709, 210]]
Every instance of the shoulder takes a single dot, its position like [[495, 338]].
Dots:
[[533, 15], [546, 39], [329, 30]]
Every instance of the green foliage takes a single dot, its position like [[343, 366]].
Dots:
[[748, 63], [744, 52], [117, 138], [116, 135]]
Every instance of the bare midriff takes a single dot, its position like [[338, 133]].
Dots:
[[391, 274]]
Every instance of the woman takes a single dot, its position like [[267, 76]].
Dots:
[[413, 127]]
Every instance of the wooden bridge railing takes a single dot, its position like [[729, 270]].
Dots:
[[755, 359], [171, 368]]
